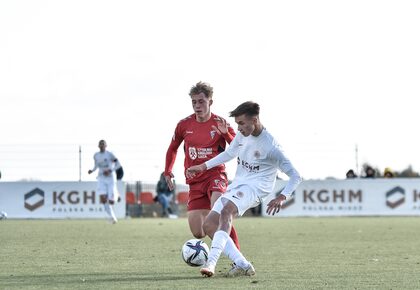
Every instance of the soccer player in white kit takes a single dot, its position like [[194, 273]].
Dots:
[[106, 161], [259, 158]]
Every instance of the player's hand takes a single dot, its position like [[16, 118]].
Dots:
[[168, 179], [193, 170], [107, 172], [275, 204], [222, 126], [90, 171]]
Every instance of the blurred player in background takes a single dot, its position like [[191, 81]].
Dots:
[[205, 135], [259, 159], [106, 162]]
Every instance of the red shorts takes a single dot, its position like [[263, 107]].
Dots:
[[200, 192]]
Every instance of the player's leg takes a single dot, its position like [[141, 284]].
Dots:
[[233, 203], [103, 195], [198, 209], [109, 205], [242, 199], [227, 210], [212, 227], [195, 220]]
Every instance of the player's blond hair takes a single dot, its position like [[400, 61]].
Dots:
[[202, 87]]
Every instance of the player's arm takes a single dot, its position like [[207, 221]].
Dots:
[[295, 179], [230, 134], [113, 163], [225, 156], [171, 156], [224, 129], [94, 167], [117, 163]]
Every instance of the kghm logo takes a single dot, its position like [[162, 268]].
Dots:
[[34, 199], [395, 197]]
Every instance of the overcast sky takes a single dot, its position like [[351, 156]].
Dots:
[[329, 75]]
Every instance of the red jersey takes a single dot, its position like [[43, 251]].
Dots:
[[201, 143]]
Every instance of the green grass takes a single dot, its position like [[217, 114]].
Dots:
[[288, 253]]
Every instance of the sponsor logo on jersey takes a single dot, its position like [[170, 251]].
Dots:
[[192, 152], [248, 166], [189, 132]]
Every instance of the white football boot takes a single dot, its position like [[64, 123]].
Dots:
[[208, 270], [238, 271]]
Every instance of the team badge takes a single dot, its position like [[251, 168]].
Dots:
[[212, 134], [192, 152], [257, 154], [220, 184], [240, 194]]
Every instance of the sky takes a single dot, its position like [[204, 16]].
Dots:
[[330, 77]]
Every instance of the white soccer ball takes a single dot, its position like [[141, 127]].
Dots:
[[195, 252], [3, 215]]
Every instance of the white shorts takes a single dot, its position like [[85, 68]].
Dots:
[[106, 186], [243, 197]]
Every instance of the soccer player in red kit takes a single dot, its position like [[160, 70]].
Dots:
[[205, 135]]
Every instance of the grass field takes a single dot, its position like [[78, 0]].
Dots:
[[289, 253]]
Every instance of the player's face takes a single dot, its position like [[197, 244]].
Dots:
[[201, 106], [246, 125], [102, 146]]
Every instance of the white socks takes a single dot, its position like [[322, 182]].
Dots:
[[217, 246], [110, 211], [223, 243], [232, 252]]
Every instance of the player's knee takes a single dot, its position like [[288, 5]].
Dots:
[[206, 226], [226, 214], [198, 234], [211, 223]]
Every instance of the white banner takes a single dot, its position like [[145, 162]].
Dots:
[[55, 200], [352, 197]]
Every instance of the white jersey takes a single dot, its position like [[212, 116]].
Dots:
[[104, 161], [259, 158]]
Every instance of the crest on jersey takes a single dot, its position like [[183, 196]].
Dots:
[[257, 154], [220, 184], [212, 134], [240, 194], [192, 152]]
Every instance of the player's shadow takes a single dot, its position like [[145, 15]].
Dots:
[[64, 279]]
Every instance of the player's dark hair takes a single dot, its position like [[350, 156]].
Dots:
[[249, 109], [202, 87]]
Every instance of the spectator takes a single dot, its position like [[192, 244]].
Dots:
[[388, 173], [165, 196], [350, 174], [370, 172]]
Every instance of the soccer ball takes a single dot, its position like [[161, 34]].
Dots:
[[3, 215], [195, 252]]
